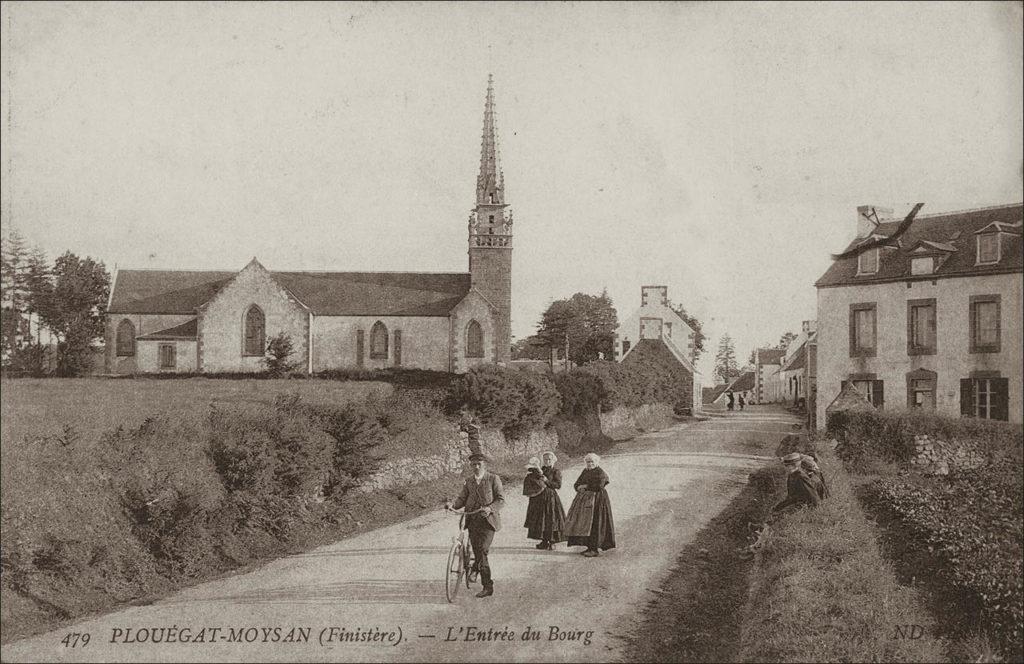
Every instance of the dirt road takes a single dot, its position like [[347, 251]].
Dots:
[[385, 588]]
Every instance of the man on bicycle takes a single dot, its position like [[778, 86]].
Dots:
[[481, 492]]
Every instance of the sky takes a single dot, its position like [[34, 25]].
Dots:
[[720, 149]]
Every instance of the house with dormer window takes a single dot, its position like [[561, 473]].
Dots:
[[926, 315]]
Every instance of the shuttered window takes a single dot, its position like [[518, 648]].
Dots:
[[985, 398], [168, 356]]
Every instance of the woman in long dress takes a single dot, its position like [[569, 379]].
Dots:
[[602, 528], [551, 524]]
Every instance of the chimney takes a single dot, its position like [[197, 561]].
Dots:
[[869, 216], [651, 295], [809, 326]]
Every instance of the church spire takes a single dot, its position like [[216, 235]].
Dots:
[[490, 184]]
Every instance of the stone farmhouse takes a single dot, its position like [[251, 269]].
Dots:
[[927, 318], [221, 321], [656, 320]]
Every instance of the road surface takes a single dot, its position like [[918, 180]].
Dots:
[[379, 596]]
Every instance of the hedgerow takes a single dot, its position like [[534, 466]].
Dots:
[[970, 523], [508, 399]]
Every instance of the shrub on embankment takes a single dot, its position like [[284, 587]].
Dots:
[[960, 530], [822, 592]]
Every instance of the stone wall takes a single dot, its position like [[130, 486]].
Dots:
[[452, 459], [623, 423], [938, 457]]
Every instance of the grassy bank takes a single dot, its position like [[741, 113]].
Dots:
[[695, 616], [821, 590]]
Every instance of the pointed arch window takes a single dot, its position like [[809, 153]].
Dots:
[[255, 332], [379, 341], [474, 339], [125, 339]]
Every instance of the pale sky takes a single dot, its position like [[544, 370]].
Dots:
[[720, 149]]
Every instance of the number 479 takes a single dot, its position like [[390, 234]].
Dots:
[[74, 639]]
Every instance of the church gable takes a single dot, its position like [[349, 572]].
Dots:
[[474, 332], [247, 311]]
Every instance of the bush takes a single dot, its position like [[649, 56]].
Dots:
[[279, 352], [970, 525], [514, 401], [889, 435]]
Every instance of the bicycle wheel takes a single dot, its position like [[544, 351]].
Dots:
[[467, 564], [453, 571]]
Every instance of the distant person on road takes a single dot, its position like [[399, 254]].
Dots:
[[800, 490], [743, 402], [545, 516], [732, 400], [591, 506], [481, 492], [810, 467]]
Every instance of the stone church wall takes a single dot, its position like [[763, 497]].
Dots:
[[144, 324], [424, 342], [473, 307], [221, 324]]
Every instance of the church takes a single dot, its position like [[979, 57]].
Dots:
[[220, 321]]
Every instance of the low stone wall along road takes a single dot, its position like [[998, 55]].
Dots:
[[379, 596]]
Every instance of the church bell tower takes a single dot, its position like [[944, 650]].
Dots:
[[490, 234]]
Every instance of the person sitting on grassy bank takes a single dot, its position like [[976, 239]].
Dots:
[[810, 467], [800, 490]]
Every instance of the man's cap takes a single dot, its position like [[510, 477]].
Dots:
[[477, 456], [792, 457]]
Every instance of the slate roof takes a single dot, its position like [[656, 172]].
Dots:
[[797, 361], [325, 293], [709, 394], [743, 383], [771, 355], [187, 331], [954, 230]]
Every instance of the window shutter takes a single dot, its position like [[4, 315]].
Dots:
[[1000, 399], [967, 397], [360, 341], [879, 393], [398, 348]]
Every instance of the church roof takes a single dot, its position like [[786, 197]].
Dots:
[[325, 293], [187, 330]]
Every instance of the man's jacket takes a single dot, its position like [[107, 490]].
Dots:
[[485, 494]]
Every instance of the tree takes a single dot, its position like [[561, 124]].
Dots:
[[279, 350], [698, 332], [13, 292], [725, 359], [530, 348], [588, 322], [785, 340], [73, 309]]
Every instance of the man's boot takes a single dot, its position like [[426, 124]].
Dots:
[[485, 578]]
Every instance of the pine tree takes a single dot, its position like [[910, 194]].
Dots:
[[725, 359]]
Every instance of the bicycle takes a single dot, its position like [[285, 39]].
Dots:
[[460, 559]]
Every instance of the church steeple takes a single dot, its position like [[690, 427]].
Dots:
[[490, 184], [490, 235]]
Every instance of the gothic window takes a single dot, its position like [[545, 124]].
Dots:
[[255, 332], [474, 340], [125, 339], [379, 341]]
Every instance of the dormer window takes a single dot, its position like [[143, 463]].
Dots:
[[923, 265], [867, 262], [988, 248]]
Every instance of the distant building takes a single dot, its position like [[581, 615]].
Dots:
[[656, 320], [741, 385], [930, 319], [767, 362], [210, 321], [793, 376]]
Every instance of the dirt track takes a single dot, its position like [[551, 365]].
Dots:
[[664, 487]]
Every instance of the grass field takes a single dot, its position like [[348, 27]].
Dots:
[[36, 408]]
